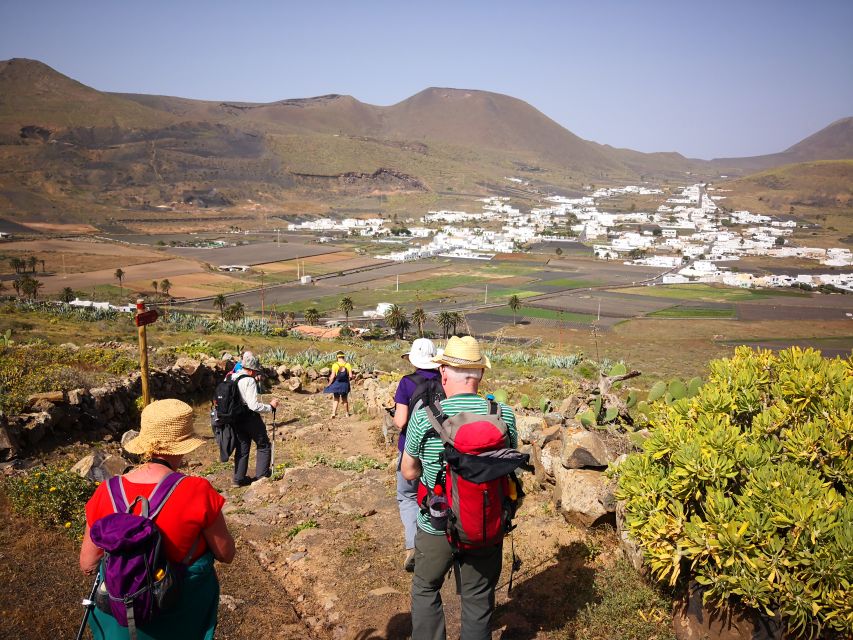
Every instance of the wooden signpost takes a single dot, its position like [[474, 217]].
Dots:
[[142, 319]]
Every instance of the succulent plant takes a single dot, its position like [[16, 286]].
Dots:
[[501, 395]]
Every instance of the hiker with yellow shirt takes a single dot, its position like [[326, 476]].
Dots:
[[339, 383]]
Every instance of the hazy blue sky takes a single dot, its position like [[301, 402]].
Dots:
[[703, 78]]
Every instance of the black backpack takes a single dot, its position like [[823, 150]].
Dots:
[[428, 391], [228, 405]]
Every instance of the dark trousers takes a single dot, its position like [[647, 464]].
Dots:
[[248, 430], [479, 571]]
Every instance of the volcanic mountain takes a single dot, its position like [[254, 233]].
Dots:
[[68, 147]]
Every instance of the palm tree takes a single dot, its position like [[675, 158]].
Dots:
[[2, 286], [290, 318], [445, 321], [67, 294], [165, 285], [42, 266], [119, 274], [514, 304], [235, 312], [457, 319], [32, 261], [30, 286], [15, 263], [346, 306], [312, 316], [155, 285], [419, 317], [220, 302], [398, 320], [16, 285]]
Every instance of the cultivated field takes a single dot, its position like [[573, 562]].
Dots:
[[252, 254]]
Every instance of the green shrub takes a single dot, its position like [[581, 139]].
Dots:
[[53, 497], [746, 487], [38, 367]]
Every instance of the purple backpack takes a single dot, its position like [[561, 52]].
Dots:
[[138, 579]]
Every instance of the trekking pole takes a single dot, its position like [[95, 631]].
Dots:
[[272, 441], [89, 603]]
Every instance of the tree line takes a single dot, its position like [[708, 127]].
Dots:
[[396, 316]]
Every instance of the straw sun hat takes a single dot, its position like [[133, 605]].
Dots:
[[463, 353], [167, 429]]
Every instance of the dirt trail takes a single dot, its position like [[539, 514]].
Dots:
[[320, 549], [332, 538]]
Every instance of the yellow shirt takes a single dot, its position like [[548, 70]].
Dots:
[[337, 367]]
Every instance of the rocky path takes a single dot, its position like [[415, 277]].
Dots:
[[321, 546]]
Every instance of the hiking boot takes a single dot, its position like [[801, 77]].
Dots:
[[243, 482], [409, 562]]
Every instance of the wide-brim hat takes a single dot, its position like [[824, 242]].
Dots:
[[463, 353], [166, 429], [421, 354]]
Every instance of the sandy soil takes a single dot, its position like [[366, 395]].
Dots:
[[143, 273], [80, 246], [193, 285], [64, 263], [59, 227]]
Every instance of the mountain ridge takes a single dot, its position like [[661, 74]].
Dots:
[[75, 144]]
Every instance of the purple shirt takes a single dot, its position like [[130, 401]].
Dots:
[[404, 393]]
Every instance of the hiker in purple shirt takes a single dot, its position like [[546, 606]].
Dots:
[[415, 389]]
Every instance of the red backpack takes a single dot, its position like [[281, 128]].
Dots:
[[476, 494]]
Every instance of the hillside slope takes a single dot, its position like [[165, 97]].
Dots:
[[70, 148], [834, 142]]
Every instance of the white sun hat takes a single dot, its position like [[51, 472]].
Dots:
[[421, 354]]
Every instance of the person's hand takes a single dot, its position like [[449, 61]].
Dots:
[[274, 403]]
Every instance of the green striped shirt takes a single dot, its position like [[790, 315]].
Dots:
[[433, 447]]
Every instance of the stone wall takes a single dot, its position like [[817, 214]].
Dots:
[[569, 461], [111, 409]]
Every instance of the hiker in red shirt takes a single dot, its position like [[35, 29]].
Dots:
[[191, 524]]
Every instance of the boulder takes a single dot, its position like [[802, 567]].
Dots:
[[8, 446], [36, 427], [549, 434], [282, 371], [189, 366], [553, 418], [583, 449], [297, 371], [294, 383], [76, 397], [584, 497], [693, 620], [570, 405], [325, 372], [311, 373], [528, 427], [53, 397], [545, 459], [99, 467], [103, 403]]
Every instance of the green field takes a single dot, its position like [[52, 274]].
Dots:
[[442, 283], [692, 312], [708, 293], [546, 314]]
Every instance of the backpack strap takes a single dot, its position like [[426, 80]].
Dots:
[[115, 490], [416, 378], [163, 491], [151, 505]]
